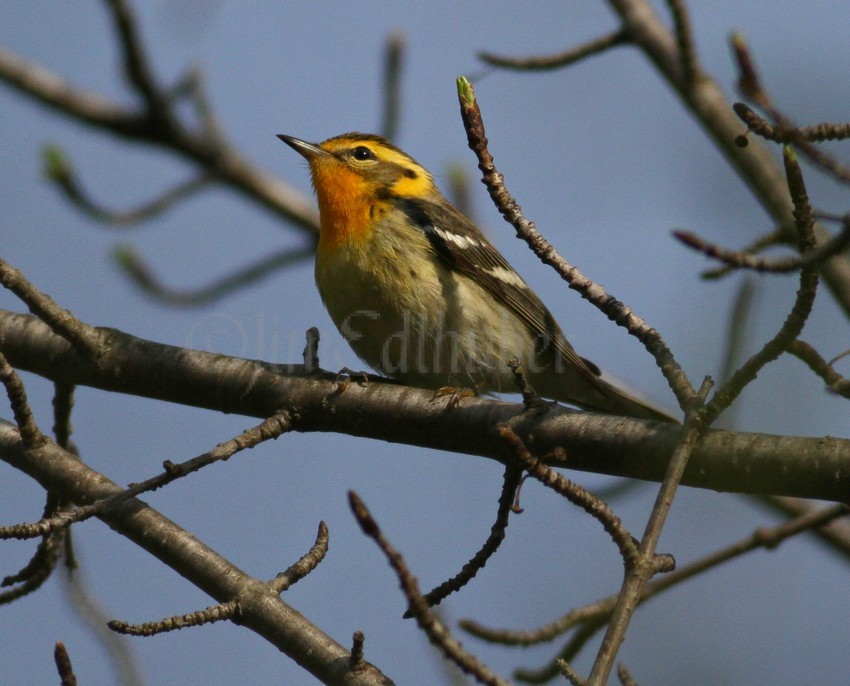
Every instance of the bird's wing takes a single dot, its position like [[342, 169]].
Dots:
[[464, 248]]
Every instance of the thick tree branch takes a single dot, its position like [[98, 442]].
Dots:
[[211, 153], [724, 461], [755, 164], [262, 611]]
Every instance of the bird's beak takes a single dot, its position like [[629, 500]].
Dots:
[[309, 151]]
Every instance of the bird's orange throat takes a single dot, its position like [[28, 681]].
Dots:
[[344, 199]]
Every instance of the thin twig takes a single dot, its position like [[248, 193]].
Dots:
[[144, 277], [145, 124], [761, 243], [85, 339], [436, 631], [305, 564], [393, 66], [763, 537], [63, 665], [590, 291], [510, 483], [803, 302], [785, 265], [269, 428], [17, 394], [58, 169], [685, 42], [577, 495], [209, 615], [712, 109], [625, 676], [784, 131], [806, 352], [646, 565], [559, 60], [230, 610]]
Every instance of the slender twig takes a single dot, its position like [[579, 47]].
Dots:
[[559, 60], [813, 359], [645, 565], [746, 260], [784, 130], [144, 277], [305, 564], [209, 615], [803, 302], [761, 538], [684, 42], [393, 66], [577, 495], [63, 404], [32, 575], [625, 676], [136, 65], [63, 665], [436, 631], [511, 481], [708, 104], [568, 652], [737, 329], [85, 601], [17, 394], [145, 124], [230, 610], [590, 291], [84, 338], [761, 243], [41, 565], [571, 675], [268, 429], [779, 133], [58, 169], [834, 534]]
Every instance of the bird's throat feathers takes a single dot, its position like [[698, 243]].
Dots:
[[344, 203]]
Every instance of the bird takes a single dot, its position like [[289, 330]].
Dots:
[[422, 296]]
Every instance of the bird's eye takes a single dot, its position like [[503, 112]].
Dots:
[[361, 152]]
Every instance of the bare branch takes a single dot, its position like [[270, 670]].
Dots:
[[685, 42], [796, 319], [707, 103], [559, 60], [58, 169], [615, 310], [834, 381], [270, 428], [725, 461], [393, 65], [262, 610], [21, 409], [741, 259], [646, 564], [62, 322], [144, 277], [437, 632], [577, 495], [63, 665], [305, 564], [491, 545]]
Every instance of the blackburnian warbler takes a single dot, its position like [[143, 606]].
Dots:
[[422, 296]]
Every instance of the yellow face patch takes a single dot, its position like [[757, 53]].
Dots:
[[358, 180]]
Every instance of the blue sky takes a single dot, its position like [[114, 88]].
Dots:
[[601, 156]]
